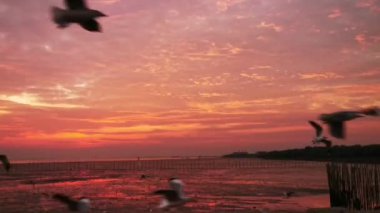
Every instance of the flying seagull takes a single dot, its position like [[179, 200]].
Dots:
[[319, 138], [5, 161], [77, 12], [174, 196], [336, 121], [81, 205]]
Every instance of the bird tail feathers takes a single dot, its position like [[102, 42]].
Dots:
[[164, 204]]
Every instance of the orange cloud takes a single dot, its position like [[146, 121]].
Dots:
[[211, 81], [34, 101], [261, 67], [241, 106], [255, 76], [110, 2], [3, 112], [271, 130], [271, 26], [211, 95], [224, 5], [320, 76], [149, 128]]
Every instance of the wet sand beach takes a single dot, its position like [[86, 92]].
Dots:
[[214, 190]]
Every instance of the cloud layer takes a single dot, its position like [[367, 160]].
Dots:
[[179, 77]]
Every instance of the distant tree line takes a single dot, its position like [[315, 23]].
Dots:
[[356, 153]]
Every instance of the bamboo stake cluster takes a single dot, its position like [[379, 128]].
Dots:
[[354, 186]]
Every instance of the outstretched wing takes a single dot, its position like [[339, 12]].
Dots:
[[5, 161], [337, 129], [372, 111], [169, 195], [91, 25], [72, 204], [76, 4], [317, 127]]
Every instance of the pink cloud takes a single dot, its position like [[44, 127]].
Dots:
[[335, 14]]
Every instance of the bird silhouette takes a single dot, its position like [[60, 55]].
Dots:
[[80, 205], [336, 121], [77, 12], [288, 194], [173, 197], [6, 163], [319, 138]]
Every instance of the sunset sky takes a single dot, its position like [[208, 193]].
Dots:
[[184, 77]]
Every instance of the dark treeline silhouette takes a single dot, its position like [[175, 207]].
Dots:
[[356, 153]]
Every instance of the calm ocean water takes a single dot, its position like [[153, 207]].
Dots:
[[218, 186]]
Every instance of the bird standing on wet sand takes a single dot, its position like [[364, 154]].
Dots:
[[319, 138], [5, 161], [288, 194], [81, 205], [144, 176], [173, 197], [77, 12]]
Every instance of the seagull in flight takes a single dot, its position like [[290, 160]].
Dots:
[[319, 138], [336, 121], [82, 205], [5, 161], [173, 197], [77, 12]]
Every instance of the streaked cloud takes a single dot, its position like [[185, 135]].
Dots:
[[149, 128], [242, 106], [335, 14], [320, 76], [35, 101], [211, 81], [3, 112], [255, 76], [271, 26], [211, 95], [224, 5], [272, 130]]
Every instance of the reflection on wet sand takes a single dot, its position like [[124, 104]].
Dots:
[[218, 190]]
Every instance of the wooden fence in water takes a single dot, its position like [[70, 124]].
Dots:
[[213, 163], [354, 186]]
